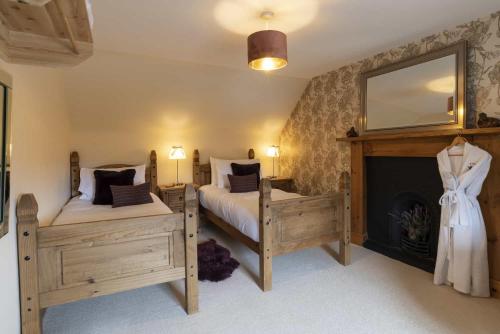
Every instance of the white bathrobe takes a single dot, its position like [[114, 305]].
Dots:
[[462, 258]]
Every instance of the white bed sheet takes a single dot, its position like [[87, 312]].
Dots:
[[241, 210], [83, 211]]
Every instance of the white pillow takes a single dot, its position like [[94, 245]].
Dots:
[[223, 168], [87, 179]]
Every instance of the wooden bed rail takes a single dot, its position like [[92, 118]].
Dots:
[[27, 224], [293, 224]]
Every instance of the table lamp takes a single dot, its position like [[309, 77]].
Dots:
[[177, 153], [274, 152]]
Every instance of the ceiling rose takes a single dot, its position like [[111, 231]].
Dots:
[[244, 16]]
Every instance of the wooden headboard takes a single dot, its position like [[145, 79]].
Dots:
[[202, 173], [151, 172]]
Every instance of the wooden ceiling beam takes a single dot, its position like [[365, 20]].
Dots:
[[67, 27], [39, 3], [57, 33], [11, 15], [4, 28]]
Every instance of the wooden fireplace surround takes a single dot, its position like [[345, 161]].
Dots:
[[428, 144]]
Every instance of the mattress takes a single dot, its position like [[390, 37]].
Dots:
[[83, 211], [241, 210]]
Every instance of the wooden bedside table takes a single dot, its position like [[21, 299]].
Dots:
[[173, 197], [283, 183]]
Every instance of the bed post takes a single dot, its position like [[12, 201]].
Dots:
[[191, 248], [251, 154], [196, 167], [74, 160], [153, 172], [345, 239], [27, 224], [265, 236]]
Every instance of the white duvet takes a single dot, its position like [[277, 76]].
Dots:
[[241, 210], [83, 211]]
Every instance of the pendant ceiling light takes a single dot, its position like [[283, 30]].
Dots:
[[267, 49]]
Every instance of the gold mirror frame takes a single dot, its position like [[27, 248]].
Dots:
[[458, 49]]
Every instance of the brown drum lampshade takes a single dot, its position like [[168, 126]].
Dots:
[[267, 50]]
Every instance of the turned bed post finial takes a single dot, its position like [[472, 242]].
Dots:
[[74, 160], [26, 209], [153, 172], [27, 249], [196, 167], [191, 248], [265, 236], [251, 154]]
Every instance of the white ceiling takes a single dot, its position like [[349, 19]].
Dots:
[[339, 31]]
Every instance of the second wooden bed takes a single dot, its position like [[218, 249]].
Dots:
[[288, 225], [65, 263]]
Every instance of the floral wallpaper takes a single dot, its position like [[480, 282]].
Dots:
[[330, 104]]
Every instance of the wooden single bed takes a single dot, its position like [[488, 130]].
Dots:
[[65, 263], [288, 225]]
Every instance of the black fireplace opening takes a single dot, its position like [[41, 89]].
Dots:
[[403, 209]]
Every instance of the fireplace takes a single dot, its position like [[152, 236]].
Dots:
[[402, 209], [414, 154]]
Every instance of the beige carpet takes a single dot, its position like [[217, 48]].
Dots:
[[311, 293]]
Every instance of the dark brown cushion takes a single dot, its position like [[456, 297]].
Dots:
[[131, 195], [247, 169], [105, 178], [242, 184]]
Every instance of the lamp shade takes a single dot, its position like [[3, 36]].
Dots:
[[177, 153], [267, 50], [273, 151]]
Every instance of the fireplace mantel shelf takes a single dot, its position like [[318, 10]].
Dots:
[[422, 134]]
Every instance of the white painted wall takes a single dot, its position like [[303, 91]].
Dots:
[[122, 106], [40, 146], [117, 107]]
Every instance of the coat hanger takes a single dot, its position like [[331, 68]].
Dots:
[[458, 140]]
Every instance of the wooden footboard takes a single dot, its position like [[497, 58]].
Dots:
[[60, 264], [298, 223], [289, 225]]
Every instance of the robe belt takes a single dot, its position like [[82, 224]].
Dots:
[[452, 197]]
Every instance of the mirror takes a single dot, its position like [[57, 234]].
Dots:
[[425, 92], [5, 98]]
